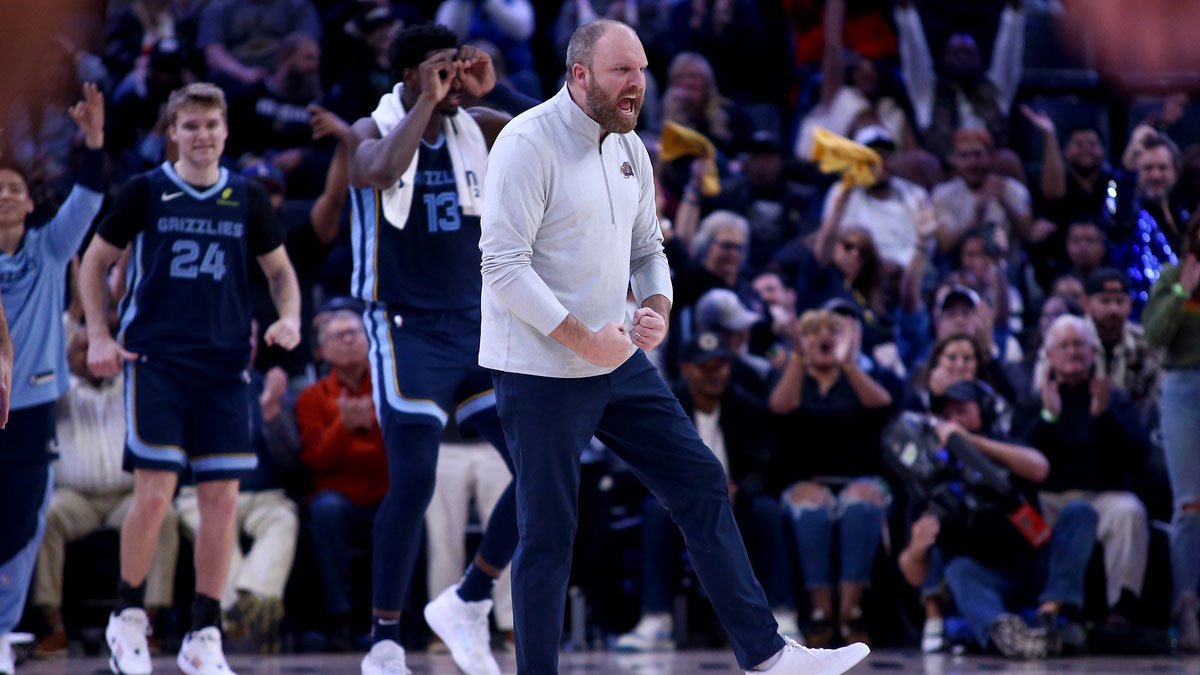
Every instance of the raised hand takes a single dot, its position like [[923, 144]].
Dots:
[[1040, 120], [1101, 390], [437, 73], [475, 70], [89, 115], [1189, 274]]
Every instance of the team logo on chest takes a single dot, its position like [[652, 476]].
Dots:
[[626, 170]]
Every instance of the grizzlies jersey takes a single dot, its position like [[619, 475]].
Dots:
[[187, 297], [430, 264]]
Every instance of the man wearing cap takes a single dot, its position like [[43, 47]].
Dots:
[[734, 425], [1124, 355], [980, 197], [988, 564], [721, 311], [888, 209], [1089, 432], [776, 206]]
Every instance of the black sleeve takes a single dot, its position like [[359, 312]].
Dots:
[[264, 232], [127, 215]]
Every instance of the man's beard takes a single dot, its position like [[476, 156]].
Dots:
[[604, 109]]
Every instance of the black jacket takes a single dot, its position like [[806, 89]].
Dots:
[[748, 438]]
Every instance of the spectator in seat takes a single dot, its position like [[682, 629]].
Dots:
[[692, 98], [833, 413], [1088, 431], [342, 446], [368, 77], [852, 92], [253, 597], [889, 209], [91, 491], [776, 206], [720, 311], [1125, 356], [956, 358], [735, 426], [273, 117], [980, 197], [963, 95], [991, 569], [1076, 178], [1147, 230], [242, 39]]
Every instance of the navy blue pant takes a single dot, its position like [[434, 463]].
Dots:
[[547, 423], [424, 369], [336, 525]]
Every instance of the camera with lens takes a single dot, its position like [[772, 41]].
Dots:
[[956, 481]]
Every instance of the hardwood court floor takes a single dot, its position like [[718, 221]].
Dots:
[[885, 662]]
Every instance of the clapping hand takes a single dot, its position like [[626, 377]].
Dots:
[[1101, 390]]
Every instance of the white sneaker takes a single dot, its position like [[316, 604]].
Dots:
[[933, 635], [126, 636], [463, 626], [385, 658], [800, 660], [789, 624], [8, 660], [651, 634], [201, 654]]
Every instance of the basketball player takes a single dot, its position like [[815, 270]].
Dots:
[[184, 343], [416, 171], [33, 265]]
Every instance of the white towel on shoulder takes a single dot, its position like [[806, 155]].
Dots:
[[468, 153]]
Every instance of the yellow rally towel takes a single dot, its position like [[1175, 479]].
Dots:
[[835, 153], [679, 141]]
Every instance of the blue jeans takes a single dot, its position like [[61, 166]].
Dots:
[[548, 422], [859, 526], [661, 548], [1180, 419], [336, 524], [1055, 572]]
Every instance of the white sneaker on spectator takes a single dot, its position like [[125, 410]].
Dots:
[[126, 636], [201, 653], [651, 634], [789, 624], [8, 660], [463, 626], [385, 658], [933, 635], [796, 659]]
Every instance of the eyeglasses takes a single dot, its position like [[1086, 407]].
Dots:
[[729, 246], [345, 334]]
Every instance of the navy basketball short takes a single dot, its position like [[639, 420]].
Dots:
[[180, 419], [425, 367]]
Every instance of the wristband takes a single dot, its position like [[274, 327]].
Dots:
[[1049, 417], [1179, 290]]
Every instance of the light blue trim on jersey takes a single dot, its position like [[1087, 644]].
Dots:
[[134, 272], [475, 405], [157, 453], [224, 463], [187, 187], [364, 238], [383, 362]]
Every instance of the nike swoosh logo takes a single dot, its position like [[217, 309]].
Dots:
[[168, 197]]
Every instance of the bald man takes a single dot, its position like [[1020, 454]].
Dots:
[[575, 227]]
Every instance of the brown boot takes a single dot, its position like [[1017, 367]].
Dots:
[[52, 646]]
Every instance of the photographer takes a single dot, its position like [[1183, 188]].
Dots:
[[1089, 432], [999, 560]]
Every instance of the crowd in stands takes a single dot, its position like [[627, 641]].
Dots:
[[1017, 265]]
